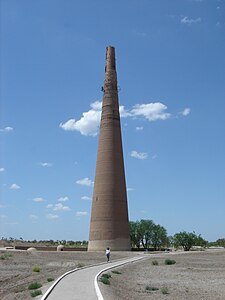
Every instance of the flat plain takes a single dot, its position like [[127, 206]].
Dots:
[[196, 275]]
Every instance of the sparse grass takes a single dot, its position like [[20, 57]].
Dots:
[[80, 265], [36, 269], [116, 272], [164, 290], [155, 262], [34, 286], [36, 293], [50, 279], [151, 288], [5, 256], [170, 262]]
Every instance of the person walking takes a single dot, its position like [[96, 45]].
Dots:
[[107, 253]]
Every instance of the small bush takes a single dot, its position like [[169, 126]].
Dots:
[[36, 293], [170, 262], [151, 288], [34, 286], [80, 265], [155, 262], [106, 275], [36, 269], [116, 272], [164, 290], [104, 280], [50, 279]]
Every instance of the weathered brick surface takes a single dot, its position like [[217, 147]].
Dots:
[[109, 218]]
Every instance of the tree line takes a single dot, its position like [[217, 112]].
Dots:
[[146, 234]]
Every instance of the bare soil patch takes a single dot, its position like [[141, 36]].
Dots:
[[195, 276]]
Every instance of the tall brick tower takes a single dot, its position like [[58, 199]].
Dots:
[[109, 225]]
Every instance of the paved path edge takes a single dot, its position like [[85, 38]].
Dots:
[[97, 289], [49, 290]]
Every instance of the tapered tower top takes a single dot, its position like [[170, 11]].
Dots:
[[110, 58]]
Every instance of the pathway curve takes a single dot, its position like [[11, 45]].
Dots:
[[82, 283]]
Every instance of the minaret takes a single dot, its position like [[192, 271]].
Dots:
[[109, 225]]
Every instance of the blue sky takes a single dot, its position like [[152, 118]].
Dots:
[[171, 71]]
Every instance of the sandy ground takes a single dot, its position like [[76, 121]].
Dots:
[[196, 275], [16, 270]]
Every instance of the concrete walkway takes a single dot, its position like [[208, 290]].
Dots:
[[82, 283]]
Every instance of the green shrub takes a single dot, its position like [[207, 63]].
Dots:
[[170, 262], [36, 293], [80, 265], [34, 286], [116, 272], [151, 288], [164, 290], [155, 262], [104, 280], [50, 279], [36, 269], [106, 275]]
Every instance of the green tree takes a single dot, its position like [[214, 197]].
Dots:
[[147, 234], [220, 242], [135, 236], [159, 237], [187, 240], [146, 230]]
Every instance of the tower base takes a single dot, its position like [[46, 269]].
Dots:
[[114, 245]]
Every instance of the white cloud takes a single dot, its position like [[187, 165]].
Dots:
[[38, 199], [3, 216], [81, 213], [188, 21], [88, 123], [50, 206], [6, 129], [63, 199], [86, 198], [139, 33], [139, 128], [186, 111], [33, 217], [14, 186], [46, 164], [2, 169], [123, 112], [52, 217], [97, 105], [12, 223], [86, 181], [151, 111], [61, 207], [130, 189], [139, 155]]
